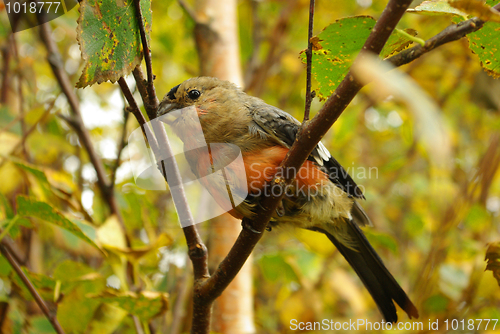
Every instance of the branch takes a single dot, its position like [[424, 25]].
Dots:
[[308, 138], [309, 95], [151, 104], [449, 34], [133, 106], [179, 309], [189, 11], [56, 64], [140, 82], [121, 145], [4, 249], [197, 250]]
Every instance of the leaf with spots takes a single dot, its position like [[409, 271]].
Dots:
[[485, 43], [145, 305], [336, 47], [108, 34]]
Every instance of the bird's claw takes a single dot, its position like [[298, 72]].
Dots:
[[248, 226], [280, 209]]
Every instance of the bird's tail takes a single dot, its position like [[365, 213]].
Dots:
[[369, 266]]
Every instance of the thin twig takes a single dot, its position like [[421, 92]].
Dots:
[[137, 325], [309, 54], [6, 56], [134, 109], [140, 82], [38, 299], [179, 309], [189, 11], [449, 34], [152, 103], [121, 145]]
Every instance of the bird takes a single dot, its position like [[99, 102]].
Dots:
[[323, 197]]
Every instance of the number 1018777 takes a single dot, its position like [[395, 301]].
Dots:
[[33, 7], [471, 324]]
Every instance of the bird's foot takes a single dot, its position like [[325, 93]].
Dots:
[[280, 209], [247, 225]]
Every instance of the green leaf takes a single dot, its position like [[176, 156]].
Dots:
[[71, 274], [398, 42], [5, 268], [145, 305], [384, 240], [43, 284], [336, 47], [37, 173], [485, 43], [76, 310], [436, 8], [476, 8], [106, 320], [41, 325], [275, 267], [7, 209], [109, 39], [33, 208], [436, 304], [8, 226]]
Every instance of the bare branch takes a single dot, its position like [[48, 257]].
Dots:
[[134, 107], [189, 11], [151, 103], [121, 145], [4, 249], [179, 309], [449, 34], [309, 96], [140, 82]]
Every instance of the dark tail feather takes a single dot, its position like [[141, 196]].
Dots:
[[371, 270]]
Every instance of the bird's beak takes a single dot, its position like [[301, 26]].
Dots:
[[165, 108], [169, 112]]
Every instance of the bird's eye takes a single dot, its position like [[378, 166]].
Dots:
[[194, 94]]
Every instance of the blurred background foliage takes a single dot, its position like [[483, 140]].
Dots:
[[431, 227]]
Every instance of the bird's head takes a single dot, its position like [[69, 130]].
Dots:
[[218, 105], [201, 92]]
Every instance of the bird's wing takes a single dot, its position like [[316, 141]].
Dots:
[[272, 123]]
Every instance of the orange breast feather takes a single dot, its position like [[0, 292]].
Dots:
[[261, 166]]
